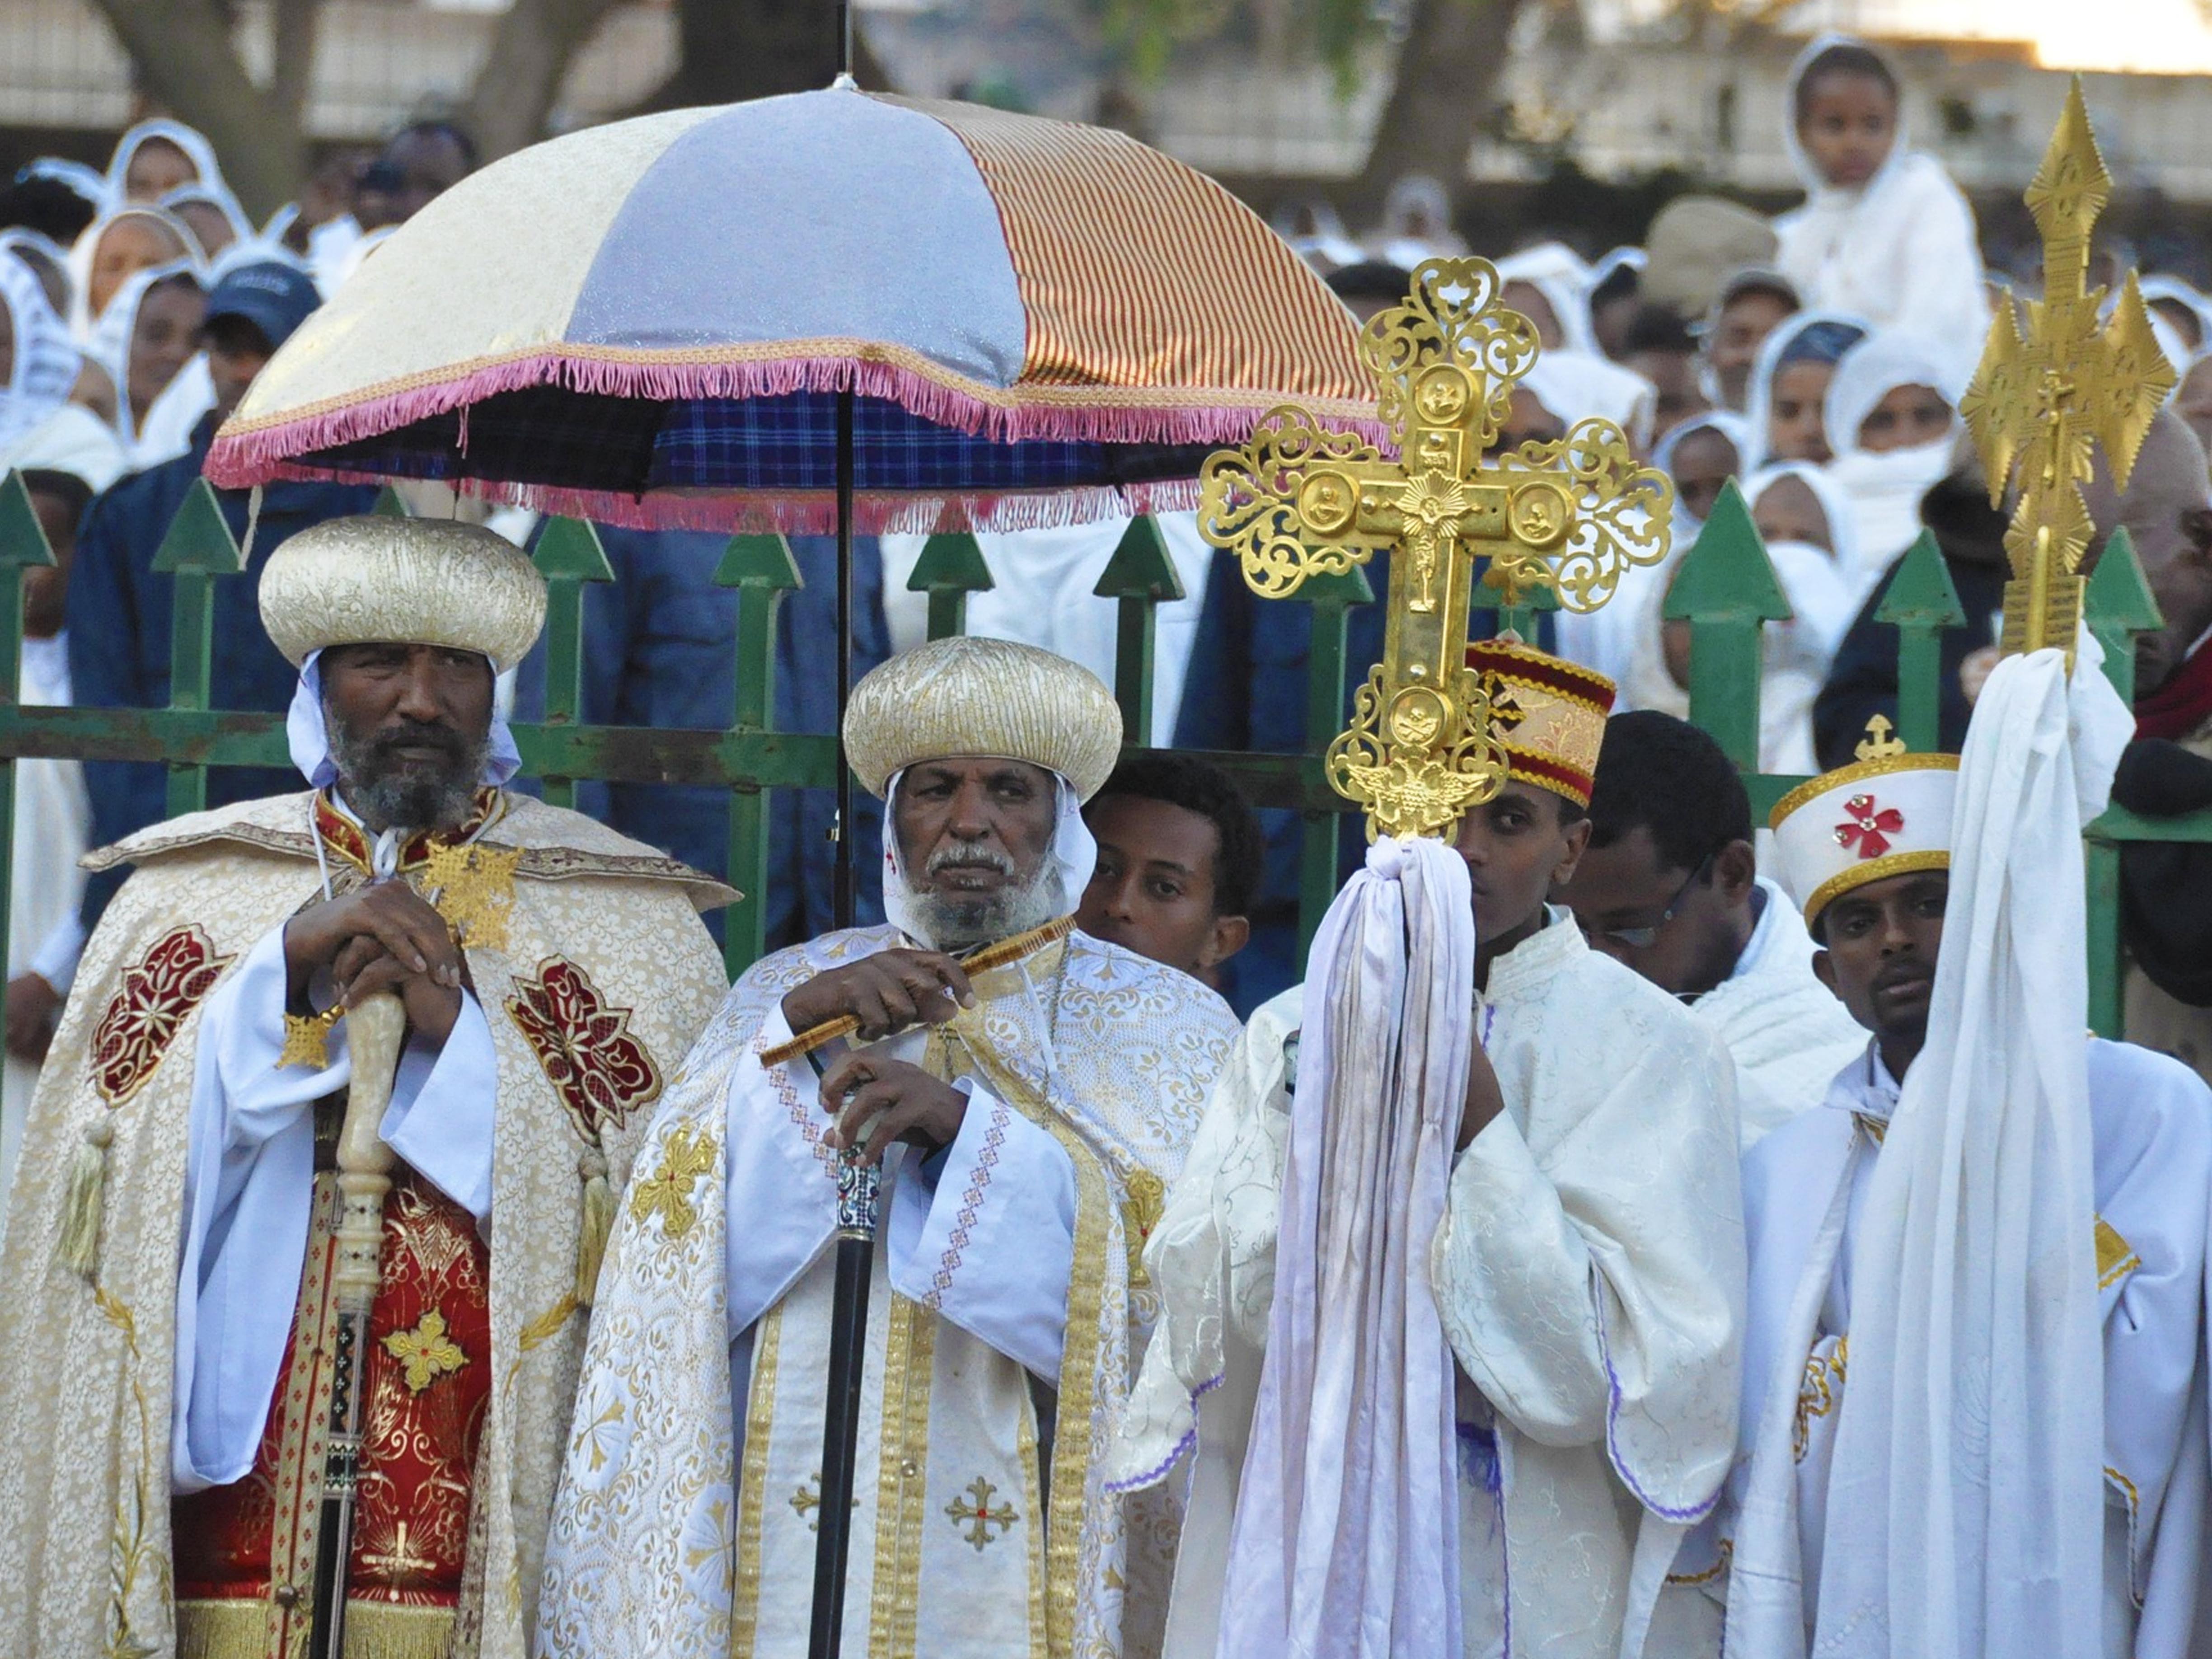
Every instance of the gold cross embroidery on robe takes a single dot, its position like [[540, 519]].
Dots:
[[475, 884], [307, 1038], [2041, 403], [974, 1512], [1147, 1200], [1568, 517], [426, 1352], [667, 1193]]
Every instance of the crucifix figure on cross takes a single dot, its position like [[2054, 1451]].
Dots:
[[1569, 516], [2042, 402]]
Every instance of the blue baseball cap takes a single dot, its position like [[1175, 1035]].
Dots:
[[275, 297]]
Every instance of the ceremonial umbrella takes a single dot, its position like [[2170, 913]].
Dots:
[[832, 310]]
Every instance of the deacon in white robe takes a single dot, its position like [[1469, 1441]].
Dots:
[[1669, 887], [1048, 1099], [1567, 1326], [1796, 1547]]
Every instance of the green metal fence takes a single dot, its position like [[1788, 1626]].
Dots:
[[1725, 590]]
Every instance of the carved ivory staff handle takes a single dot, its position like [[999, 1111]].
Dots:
[[374, 1033]]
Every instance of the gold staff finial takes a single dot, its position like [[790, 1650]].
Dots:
[[2040, 405], [1569, 516]]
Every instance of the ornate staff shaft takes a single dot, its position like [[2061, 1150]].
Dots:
[[374, 1031], [857, 1189]]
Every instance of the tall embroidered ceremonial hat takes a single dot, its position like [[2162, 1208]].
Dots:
[[1886, 814], [1547, 714], [966, 697], [411, 581]]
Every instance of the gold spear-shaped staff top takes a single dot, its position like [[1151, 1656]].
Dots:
[[1570, 516], [2040, 405]]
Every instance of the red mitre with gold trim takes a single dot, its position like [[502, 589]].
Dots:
[[1547, 714]]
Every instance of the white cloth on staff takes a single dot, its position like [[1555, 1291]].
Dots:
[[1586, 1444], [1043, 596], [249, 1187], [1786, 1031], [1900, 249], [1963, 1507]]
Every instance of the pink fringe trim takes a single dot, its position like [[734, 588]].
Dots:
[[244, 458], [811, 512]]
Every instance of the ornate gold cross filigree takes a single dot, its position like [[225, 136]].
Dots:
[[2040, 404], [667, 1192], [426, 1353], [475, 886], [1570, 516]]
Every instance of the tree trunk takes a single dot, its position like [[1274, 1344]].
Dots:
[[739, 49], [521, 76], [1452, 55], [184, 61]]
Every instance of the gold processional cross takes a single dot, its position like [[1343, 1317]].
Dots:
[[2040, 404], [1570, 516]]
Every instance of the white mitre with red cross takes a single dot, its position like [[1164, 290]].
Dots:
[[1886, 814]]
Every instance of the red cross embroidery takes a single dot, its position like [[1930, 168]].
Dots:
[[1870, 826]]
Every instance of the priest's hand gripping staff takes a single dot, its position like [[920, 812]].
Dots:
[[374, 1031]]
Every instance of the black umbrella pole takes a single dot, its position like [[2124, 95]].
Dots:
[[840, 1417], [842, 882]]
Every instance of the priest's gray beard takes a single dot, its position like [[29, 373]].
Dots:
[[392, 793], [957, 922]]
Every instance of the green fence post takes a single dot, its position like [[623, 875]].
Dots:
[[1140, 577], [388, 504], [763, 571], [569, 556], [950, 567], [1920, 603], [1331, 598], [1725, 589], [198, 549], [22, 547], [2118, 605]]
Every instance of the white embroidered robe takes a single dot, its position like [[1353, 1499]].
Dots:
[[1590, 1273], [1786, 1031], [1003, 1327], [1805, 1193]]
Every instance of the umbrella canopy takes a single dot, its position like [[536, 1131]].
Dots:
[[650, 323]]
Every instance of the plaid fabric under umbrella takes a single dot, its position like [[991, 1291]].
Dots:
[[650, 323]]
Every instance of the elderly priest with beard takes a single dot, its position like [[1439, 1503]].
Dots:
[[1027, 1114], [171, 1326]]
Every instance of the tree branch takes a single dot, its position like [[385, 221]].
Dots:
[[516, 90], [294, 28]]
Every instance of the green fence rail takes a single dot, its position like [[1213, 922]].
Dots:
[[1726, 592]]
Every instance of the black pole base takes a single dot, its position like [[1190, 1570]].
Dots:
[[840, 1435]]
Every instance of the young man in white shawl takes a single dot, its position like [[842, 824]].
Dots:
[[1452, 1286], [1670, 886], [1026, 1110], [168, 1342], [1964, 976]]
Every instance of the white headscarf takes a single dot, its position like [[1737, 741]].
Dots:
[[1416, 196], [89, 184], [110, 349], [191, 140], [306, 732], [1885, 487], [1073, 852], [45, 363], [33, 243], [70, 440], [218, 197], [1557, 272], [1825, 595], [1579, 386], [84, 253], [1758, 399]]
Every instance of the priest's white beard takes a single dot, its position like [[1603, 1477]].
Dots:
[[957, 922]]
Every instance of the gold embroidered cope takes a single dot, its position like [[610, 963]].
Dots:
[[1568, 517], [2043, 401]]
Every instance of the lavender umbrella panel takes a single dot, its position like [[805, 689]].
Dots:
[[650, 324]]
